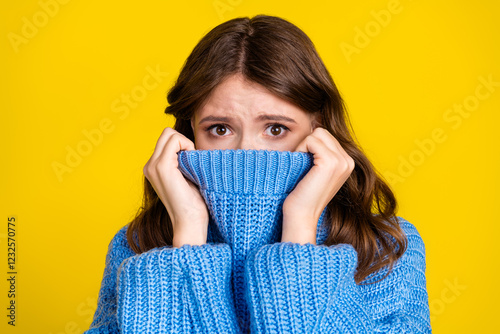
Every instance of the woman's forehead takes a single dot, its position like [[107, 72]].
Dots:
[[239, 98]]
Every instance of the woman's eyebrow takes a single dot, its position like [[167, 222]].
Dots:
[[215, 119], [281, 118], [262, 117]]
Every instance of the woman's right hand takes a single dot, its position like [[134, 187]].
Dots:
[[182, 199]]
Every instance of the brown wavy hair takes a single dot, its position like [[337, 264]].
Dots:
[[278, 55]]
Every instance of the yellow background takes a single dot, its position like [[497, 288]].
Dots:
[[67, 77]]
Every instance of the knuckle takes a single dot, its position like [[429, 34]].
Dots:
[[168, 132], [352, 163], [161, 166], [332, 161], [147, 167], [175, 137], [321, 131]]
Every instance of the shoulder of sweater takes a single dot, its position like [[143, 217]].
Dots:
[[413, 259], [415, 241], [119, 242], [407, 227]]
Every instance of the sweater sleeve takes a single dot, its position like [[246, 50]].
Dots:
[[177, 290], [104, 321], [294, 288], [165, 290]]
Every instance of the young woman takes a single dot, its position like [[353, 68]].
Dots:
[[261, 213]]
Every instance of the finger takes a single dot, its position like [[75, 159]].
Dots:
[[160, 143], [175, 143], [321, 137], [332, 160], [330, 141], [317, 147], [302, 146], [182, 143], [334, 145], [321, 134]]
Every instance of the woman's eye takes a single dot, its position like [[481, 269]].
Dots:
[[220, 130], [276, 130], [272, 130]]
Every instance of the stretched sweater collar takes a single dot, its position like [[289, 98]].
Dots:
[[244, 191]]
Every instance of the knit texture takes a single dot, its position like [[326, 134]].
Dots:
[[244, 191], [244, 279]]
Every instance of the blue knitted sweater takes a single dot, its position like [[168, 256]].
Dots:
[[244, 279]]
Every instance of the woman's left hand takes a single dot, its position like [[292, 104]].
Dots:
[[304, 205]]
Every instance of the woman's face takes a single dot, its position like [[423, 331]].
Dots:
[[244, 115]]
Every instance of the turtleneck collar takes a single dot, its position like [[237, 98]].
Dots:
[[244, 191]]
